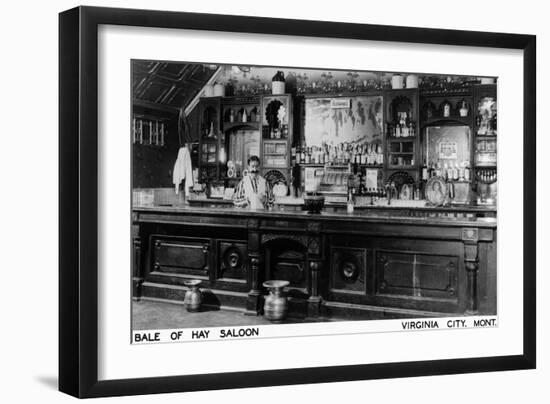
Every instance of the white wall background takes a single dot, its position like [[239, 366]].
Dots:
[[28, 167]]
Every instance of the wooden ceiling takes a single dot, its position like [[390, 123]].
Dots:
[[167, 86]]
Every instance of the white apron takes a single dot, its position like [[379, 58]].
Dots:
[[252, 196]]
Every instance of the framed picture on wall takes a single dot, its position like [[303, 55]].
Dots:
[[307, 216]]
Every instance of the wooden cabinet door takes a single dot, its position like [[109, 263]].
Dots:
[[182, 255]]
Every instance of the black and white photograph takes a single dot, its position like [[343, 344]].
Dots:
[[256, 201], [271, 195], [275, 202]]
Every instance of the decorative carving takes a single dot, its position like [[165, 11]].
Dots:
[[315, 265], [470, 234], [349, 271], [233, 259], [382, 259], [313, 245], [450, 290], [252, 223], [314, 227], [135, 230], [271, 236]]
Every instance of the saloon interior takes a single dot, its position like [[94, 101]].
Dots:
[[384, 190]]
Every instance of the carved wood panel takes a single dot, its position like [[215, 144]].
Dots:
[[190, 256], [233, 259], [418, 275], [349, 269]]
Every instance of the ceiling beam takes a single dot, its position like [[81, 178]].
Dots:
[[160, 107], [197, 97]]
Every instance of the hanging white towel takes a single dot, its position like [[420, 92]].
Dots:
[[183, 170]]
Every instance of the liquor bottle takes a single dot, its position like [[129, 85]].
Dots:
[[453, 171], [456, 172], [467, 172], [424, 171], [461, 171], [308, 156], [403, 125], [446, 109], [416, 192], [350, 201]]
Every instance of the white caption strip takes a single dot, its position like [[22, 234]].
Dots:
[[296, 330]]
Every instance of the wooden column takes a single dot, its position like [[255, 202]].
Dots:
[[470, 238], [137, 268], [315, 259], [254, 300]]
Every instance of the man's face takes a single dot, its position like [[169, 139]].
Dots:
[[254, 168]]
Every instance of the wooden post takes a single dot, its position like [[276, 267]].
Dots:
[[315, 299], [315, 259], [137, 274], [471, 261], [254, 300]]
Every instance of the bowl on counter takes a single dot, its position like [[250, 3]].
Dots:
[[314, 203]]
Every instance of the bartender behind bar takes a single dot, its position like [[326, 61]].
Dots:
[[253, 191]]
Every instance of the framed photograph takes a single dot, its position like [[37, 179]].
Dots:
[[253, 201]]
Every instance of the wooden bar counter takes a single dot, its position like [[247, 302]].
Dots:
[[359, 265]]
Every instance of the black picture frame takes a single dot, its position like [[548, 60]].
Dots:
[[78, 200]]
